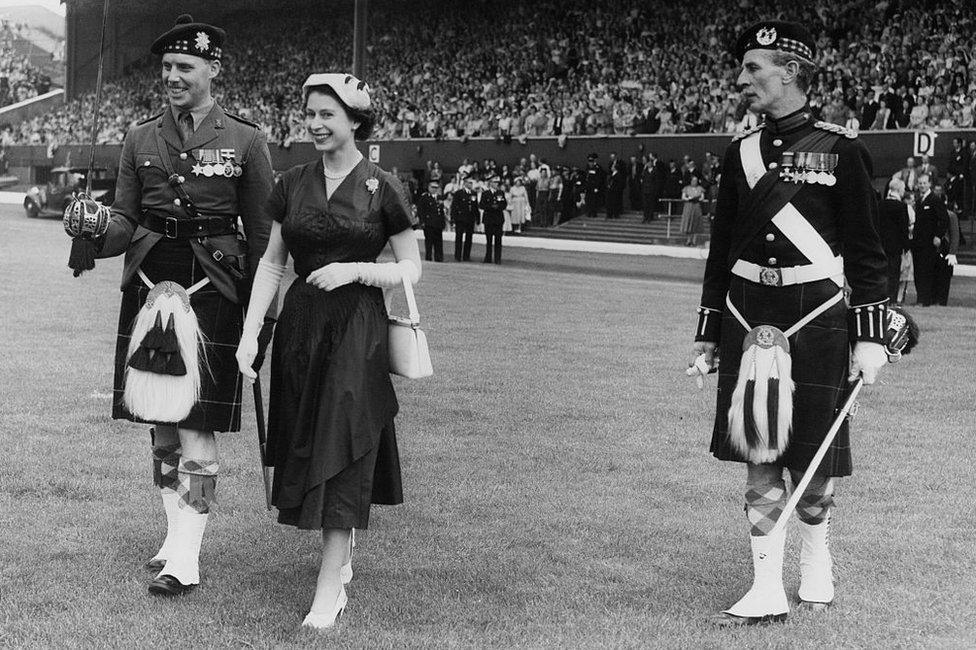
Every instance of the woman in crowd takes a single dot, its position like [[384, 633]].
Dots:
[[518, 205], [331, 438], [907, 264], [691, 215]]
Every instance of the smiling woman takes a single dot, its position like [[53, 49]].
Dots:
[[331, 437]]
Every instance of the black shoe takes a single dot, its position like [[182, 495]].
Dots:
[[724, 619], [169, 586], [155, 565]]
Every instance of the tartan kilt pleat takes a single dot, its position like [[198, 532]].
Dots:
[[220, 320], [820, 354]]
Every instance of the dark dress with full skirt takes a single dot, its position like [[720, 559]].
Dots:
[[331, 438]]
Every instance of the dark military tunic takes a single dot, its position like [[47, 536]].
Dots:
[[845, 215], [152, 151]]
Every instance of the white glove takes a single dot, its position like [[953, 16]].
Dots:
[[373, 274], [951, 260], [867, 359], [704, 363], [266, 280]]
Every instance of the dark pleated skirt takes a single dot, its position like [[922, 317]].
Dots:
[[820, 357], [219, 407], [331, 437]]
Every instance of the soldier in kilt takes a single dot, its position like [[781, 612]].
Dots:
[[186, 178], [796, 217]]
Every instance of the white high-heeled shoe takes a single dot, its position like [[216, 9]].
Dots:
[[345, 571], [327, 620]]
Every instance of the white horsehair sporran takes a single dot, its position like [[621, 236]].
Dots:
[[761, 414], [163, 364]]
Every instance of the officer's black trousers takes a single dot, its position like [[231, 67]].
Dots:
[[894, 276], [434, 244], [493, 244], [943, 278], [926, 262], [462, 252]]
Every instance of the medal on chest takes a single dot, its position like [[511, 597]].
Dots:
[[816, 168], [216, 162]]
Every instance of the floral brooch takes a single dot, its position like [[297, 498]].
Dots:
[[372, 184]]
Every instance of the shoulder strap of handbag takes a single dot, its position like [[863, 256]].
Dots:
[[411, 302]]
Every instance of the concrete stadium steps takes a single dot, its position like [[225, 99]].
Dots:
[[628, 229]]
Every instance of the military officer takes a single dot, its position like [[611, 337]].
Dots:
[[594, 185], [186, 176], [796, 216], [430, 212], [493, 204], [464, 215]]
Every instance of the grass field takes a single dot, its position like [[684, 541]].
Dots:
[[559, 489]]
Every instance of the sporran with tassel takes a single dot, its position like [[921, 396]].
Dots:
[[761, 414], [165, 355]]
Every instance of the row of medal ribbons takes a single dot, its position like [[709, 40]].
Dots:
[[809, 167]]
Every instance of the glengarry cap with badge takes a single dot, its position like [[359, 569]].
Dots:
[[777, 35], [189, 37], [350, 90]]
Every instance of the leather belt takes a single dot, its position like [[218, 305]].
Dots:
[[174, 228], [786, 276]]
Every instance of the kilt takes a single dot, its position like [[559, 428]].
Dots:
[[220, 320], [820, 354]]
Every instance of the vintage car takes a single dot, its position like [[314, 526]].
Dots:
[[51, 199]]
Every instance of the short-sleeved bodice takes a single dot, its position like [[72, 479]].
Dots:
[[352, 226]]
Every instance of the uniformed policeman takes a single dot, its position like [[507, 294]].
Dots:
[[594, 185], [464, 215], [796, 217], [493, 204], [185, 178], [430, 213]]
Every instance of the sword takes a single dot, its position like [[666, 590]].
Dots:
[[901, 336], [262, 440], [264, 337]]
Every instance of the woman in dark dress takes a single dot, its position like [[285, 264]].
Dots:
[[330, 419]]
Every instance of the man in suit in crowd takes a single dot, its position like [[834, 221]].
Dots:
[[869, 110], [493, 204], [594, 184], [931, 227], [430, 213], [615, 189], [652, 186], [927, 167], [908, 175], [948, 248], [956, 170], [970, 199], [893, 222], [464, 214], [634, 183]]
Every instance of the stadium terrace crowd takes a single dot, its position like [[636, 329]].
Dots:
[[19, 80], [571, 67]]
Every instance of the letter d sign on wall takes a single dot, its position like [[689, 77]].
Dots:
[[925, 143]]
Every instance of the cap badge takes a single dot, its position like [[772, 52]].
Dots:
[[766, 36], [203, 41]]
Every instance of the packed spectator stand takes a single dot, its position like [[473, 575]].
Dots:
[[19, 80], [568, 67]]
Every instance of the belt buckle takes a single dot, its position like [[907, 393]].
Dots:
[[770, 277], [170, 227]]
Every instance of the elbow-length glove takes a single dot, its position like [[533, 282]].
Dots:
[[266, 280], [375, 274]]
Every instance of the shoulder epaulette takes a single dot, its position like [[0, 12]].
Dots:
[[150, 119], [240, 119], [745, 134], [836, 128]]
